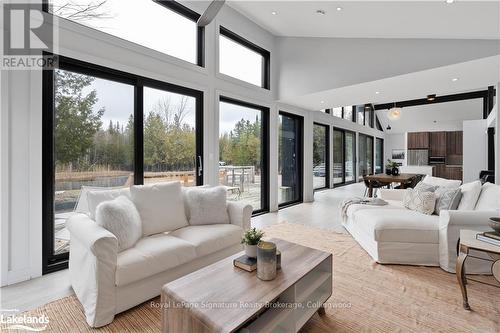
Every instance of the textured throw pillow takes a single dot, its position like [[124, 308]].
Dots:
[[120, 217], [447, 199], [161, 207], [96, 196], [423, 202], [470, 194], [424, 187], [207, 206]]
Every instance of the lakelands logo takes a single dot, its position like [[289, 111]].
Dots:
[[24, 322], [27, 33]]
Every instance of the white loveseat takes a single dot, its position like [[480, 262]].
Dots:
[[108, 282], [393, 234]]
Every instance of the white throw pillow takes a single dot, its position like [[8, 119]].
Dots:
[[441, 182], [470, 194], [161, 207], [207, 206], [120, 217], [489, 199], [95, 197], [423, 202]]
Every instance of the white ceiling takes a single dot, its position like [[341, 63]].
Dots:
[[473, 75], [448, 116], [376, 19]]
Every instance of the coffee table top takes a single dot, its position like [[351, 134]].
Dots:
[[225, 297]]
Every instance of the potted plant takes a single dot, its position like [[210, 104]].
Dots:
[[251, 238], [392, 168]]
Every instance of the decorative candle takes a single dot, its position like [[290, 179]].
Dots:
[[266, 260]]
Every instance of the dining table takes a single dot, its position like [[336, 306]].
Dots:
[[403, 178]]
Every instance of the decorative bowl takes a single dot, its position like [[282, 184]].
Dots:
[[495, 223]]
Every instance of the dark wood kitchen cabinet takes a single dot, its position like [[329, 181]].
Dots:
[[454, 143], [437, 144], [418, 140], [454, 173], [439, 171]]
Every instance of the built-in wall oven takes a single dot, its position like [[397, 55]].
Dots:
[[433, 160]]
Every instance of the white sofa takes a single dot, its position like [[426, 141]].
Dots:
[[392, 234], [108, 282]]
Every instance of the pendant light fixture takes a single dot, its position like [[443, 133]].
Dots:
[[394, 113]]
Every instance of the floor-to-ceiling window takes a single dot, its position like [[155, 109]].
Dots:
[[365, 153], [243, 157], [290, 159], [321, 165], [170, 134], [379, 155], [344, 156], [105, 128]]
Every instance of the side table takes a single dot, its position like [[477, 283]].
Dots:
[[469, 242]]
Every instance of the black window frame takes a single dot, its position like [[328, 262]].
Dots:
[[327, 156], [265, 157], [175, 7], [381, 142], [300, 198], [372, 171], [344, 151], [266, 55], [51, 262]]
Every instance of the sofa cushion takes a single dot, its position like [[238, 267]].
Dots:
[[398, 225], [436, 181], [94, 196], [391, 204], [161, 207], [447, 199], [207, 205], [208, 239], [489, 199], [420, 201], [152, 255], [470, 194], [120, 217]]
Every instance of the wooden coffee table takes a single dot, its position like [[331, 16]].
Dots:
[[223, 298]]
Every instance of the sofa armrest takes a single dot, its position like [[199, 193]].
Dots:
[[92, 267], [465, 218], [240, 213], [450, 224], [396, 194]]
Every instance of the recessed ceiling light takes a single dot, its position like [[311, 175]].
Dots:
[[274, 13], [322, 102], [320, 12], [377, 92], [449, 1], [455, 79], [339, 9]]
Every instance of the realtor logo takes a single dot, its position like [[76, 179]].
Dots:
[[27, 33]]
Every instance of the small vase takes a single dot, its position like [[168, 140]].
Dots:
[[251, 251], [395, 171], [388, 171]]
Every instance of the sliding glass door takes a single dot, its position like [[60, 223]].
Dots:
[[104, 128], [290, 159], [321, 163], [243, 157], [365, 152], [344, 156], [379, 155]]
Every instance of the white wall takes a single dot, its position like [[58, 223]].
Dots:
[[475, 149], [395, 141]]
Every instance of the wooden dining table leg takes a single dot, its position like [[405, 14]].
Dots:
[[370, 190]]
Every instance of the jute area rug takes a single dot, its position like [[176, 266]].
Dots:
[[367, 297]]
